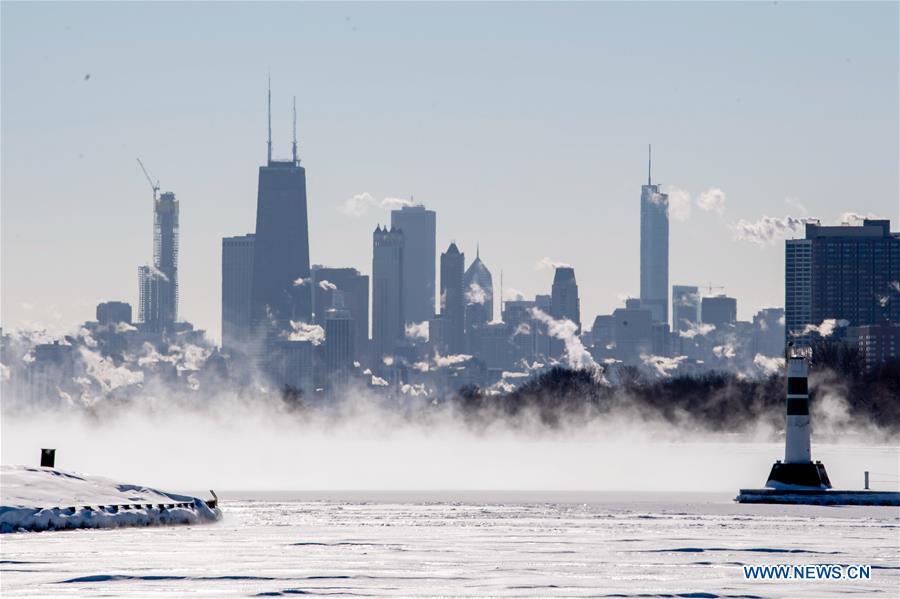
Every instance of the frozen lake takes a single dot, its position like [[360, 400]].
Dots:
[[464, 544]]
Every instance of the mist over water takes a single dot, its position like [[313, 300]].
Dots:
[[363, 444]]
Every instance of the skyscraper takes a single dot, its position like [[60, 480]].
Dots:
[[158, 284], [768, 332], [452, 298], [388, 324], [237, 278], [113, 312], [603, 333], [418, 226], [632, 331], [354, 287], [542, 338], [52, 368], [339, 341], [478, 286], [847, 273], [797, 289], [292, 364], [654, 250], [685, 307], [280, 291], [564, 303], [718, 310], [517, 314]]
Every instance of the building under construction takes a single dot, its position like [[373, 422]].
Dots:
[[158, 283]]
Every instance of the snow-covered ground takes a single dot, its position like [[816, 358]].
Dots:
[[461, 544], [38, 499], [496, 543]]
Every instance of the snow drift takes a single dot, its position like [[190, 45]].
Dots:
[[37, 499]]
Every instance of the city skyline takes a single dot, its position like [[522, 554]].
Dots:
[[593, 227], [442, 298]]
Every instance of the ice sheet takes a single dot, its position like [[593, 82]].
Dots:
[[465, 545]]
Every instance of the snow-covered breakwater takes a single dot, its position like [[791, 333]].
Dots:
[[38, 499]]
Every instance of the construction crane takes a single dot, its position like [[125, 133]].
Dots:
[[153, 186], [710, 288]]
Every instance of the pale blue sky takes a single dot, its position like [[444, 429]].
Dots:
[[523, 125]]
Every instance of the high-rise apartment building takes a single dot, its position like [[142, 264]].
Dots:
[[844, 272], [797, 290], [876, 344]]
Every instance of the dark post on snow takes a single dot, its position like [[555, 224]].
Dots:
[[48, 458]]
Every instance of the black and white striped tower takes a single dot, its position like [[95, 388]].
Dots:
[[796, 430], [798, 471]]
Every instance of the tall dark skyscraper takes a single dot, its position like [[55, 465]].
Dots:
[[453, 298], [280, 291], [158, 284], [237, 278], [654, 250], [418, 226], [847, 273], [388, 324]]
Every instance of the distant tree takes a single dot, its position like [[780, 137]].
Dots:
[[713, 401], [470, 397], [293, 398], [629, 376], [834, 354]]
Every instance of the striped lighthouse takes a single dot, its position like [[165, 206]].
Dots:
[[798, 479], [798, 470], [796, 432]]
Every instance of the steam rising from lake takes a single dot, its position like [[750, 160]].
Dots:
[[364, 445]]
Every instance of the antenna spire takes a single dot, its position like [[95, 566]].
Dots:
[[649, 160], [269, 144], [294, 146], [478, 251]]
